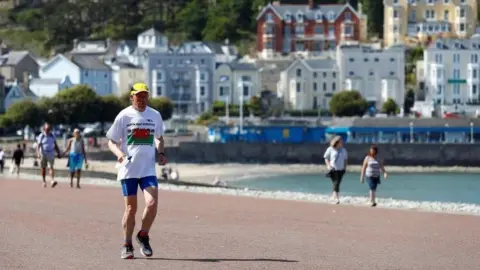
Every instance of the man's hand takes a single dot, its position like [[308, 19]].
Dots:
[[162, 159]]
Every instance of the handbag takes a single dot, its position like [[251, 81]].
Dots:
[[330, 172]]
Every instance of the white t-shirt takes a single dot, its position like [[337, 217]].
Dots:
[[137, 132], [336, 157], [2, 154]]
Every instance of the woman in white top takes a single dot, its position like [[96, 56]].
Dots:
[[336, 160], [2, 162]]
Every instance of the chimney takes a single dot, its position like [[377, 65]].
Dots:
[[359, 8], [311, 4], [276, 3]]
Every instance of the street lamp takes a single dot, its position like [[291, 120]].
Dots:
[[446, 133], [471, 132], [241, 85], [411, 132]]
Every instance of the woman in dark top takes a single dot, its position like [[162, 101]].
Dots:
[[18, 158], [372, 169]]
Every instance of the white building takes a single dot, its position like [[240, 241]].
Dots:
[[378, 74], [234, 79], [309, 84], [451, 75]]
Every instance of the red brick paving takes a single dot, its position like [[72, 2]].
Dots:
[[65, 228]]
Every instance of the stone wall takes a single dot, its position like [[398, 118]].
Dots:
[[394, 154]]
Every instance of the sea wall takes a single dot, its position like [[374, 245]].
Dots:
[[394, 154]]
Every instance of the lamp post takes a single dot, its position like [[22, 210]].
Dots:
[[227, 104], [446, 133], [411, 132], [471, 132]]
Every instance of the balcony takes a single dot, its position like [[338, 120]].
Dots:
[[180, 82], [181, 96]]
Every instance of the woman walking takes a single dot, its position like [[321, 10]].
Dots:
[[336, 160], [76, 156], [372, 168]]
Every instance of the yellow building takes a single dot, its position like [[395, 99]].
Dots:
[[423, 20]]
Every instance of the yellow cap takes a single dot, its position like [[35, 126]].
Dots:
[[137, 88]]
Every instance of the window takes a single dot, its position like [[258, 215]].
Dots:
[[445, 15], [170, 62], [314, 74], [159, 91], [246, 91], [395, 13], [299, 72], [202, 61], [331, 30], [334, 86], [324, 74], [269, 17], [474, 58], [456, 58], [462, 27], [315, 102], [348, 16], [413, 16], [299, 30], [331, 16], [474, 73], [298, 87], [202, 91], [334, 74], [319, 16], [347, 30], [315, 86], [202, 76], [180, 62], [269, 44], [319, 30], [462, 13], [159, 76], [351, 73], [474, 89], [324, 86], [221, 91]]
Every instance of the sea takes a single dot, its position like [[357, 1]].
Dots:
[[425, 187]]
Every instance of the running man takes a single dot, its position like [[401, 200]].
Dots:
[[132, 139], [46, 147], [18, 158], [76, 156]]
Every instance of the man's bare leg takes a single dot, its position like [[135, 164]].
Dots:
[[128, 220], [151, 202], [43, 172], [79, 173]]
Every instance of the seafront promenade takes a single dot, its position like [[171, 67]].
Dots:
[[65, 228]]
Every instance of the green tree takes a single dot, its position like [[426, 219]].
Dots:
[[409, 101], [23, 113], [390, 107], [110, 106], [254, 105], [163, 105], [79, 104], [348, 103]]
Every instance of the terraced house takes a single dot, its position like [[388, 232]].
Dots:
[[425, 20], [283, 29]]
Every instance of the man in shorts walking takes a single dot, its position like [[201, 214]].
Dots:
[[46, 148], [135, 134]]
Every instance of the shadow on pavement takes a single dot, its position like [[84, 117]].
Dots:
[[221, 260]]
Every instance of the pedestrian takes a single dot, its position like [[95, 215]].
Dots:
[[133, 137], [372, 168], [18, 158], [46, 147], [336, 160], [76, 156], [2, 162]]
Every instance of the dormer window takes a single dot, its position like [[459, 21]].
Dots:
[[331, 16], [288, 17], [319, 16], [299, 17], [430, 2], [457, 45]]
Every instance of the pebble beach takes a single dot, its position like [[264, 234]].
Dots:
[[236, 172]]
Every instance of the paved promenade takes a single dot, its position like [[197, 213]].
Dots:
[[65, 228]]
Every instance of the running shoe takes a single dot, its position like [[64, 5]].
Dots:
[[127, 251], [144, 241]]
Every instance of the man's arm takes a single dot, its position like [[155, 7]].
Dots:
[[56, 148], [115, 149], [160, 145]]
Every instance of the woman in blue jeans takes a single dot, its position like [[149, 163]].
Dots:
[[371, 169]]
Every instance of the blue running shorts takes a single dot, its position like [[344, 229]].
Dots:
[[130, 186], [75, 162]]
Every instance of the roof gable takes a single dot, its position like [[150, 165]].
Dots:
[[265, 9], [55, 60]]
